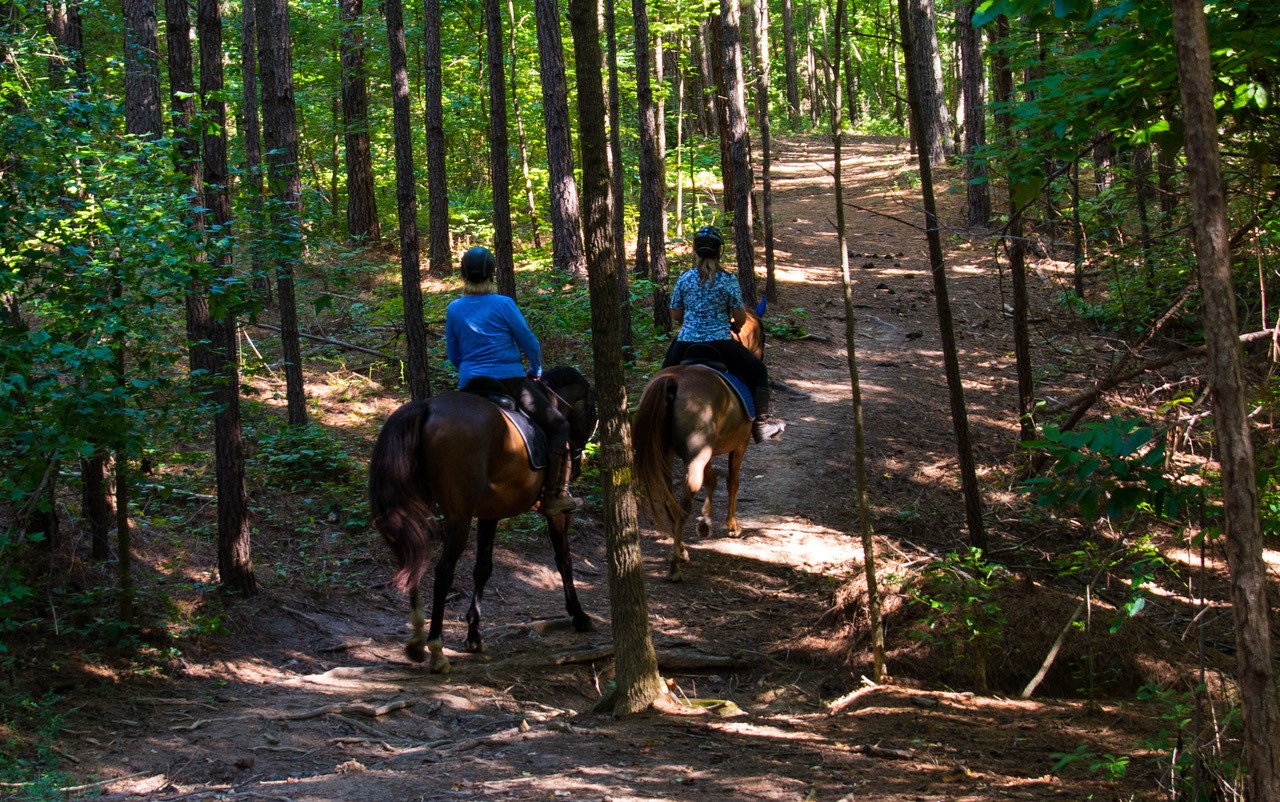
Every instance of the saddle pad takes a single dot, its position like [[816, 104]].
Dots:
[[738, 385], [535, 442]]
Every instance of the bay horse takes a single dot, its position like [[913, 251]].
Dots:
[[438, 464], [688, 411]]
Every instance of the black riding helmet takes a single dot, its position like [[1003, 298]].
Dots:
[[478, 264], [707, 242]]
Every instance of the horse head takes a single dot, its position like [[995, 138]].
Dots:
[[574, 389]]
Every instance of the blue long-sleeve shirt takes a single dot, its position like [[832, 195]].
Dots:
[[485, 336]]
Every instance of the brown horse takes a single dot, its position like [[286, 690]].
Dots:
[[456, 457], [688, 411]]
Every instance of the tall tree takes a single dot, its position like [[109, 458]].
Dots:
[[280, 136], [761, 20], [638, 684], [978, 189], [1250, 607], [235, 563], [438, 244], [531, 207], [616, 171], [362, 204], [141, 69], [566, 218], [407, 205], [942, 300], [651, 242], [789, 63], [931, 116], [739, 148], [499, 161], [252, 130]]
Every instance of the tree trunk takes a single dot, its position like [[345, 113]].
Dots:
[[789, 57], [951, 360], [280, 136], [141, 70], [438, 245], [252, 148], [362, 204], [766, 144], [616, 170], [235, 563], [931, 111], [530, 205], [566, 222], [499, 161], [407, 206], [1244, 543], [719, 55], [653, 176], [638, 684], [739, 150], [978, 189]]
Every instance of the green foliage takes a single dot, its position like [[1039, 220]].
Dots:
[[1112, 767], [302, 456], [959, 593], [27, 756], [1113, 468], [1201, 765], [787, 326]]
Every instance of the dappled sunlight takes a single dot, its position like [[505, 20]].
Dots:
[[791, 541]]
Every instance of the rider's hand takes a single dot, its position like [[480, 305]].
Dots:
[[533, 374]]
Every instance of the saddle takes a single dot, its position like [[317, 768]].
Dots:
[[535, 440], [708, 357]]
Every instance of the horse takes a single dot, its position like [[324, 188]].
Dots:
[[688, 411], [439, 463]]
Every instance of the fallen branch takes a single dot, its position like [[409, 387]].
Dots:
[[360, 709], [874, 750], [332, 341]]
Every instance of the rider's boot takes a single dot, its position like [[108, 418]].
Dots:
[[555, 489], [765, 426]]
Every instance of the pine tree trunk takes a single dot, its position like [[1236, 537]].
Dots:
[[141, 70], [739, 150], [235, 563], [407, 205], [280, 137], [932, 110], [566, 221], [637, 681], [252, 125], [790, 66], [766, 143], [531, 207], [978, 189], [653, 177], [499, 161], [438, 244], [362, 204], [1244, 543]]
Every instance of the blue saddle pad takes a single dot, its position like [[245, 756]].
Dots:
[[535, 442], [738, 385]]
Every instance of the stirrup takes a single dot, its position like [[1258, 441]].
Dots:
[[767, 429], [561, 504]]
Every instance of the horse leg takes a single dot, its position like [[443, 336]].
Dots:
[[415, 649], [455, 540], [558, 531], [486, 531], [694, 473], [709, 481], [731, 486]]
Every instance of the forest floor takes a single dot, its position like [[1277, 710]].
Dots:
[[310, 697]]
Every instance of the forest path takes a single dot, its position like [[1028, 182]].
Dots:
[[303, 700]]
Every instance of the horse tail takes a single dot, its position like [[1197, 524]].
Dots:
[[652, 446], [398, 495]]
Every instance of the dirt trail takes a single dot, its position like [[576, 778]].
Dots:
[[280, 710]]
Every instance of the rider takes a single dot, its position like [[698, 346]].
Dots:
[[485, 335], [707, 306]]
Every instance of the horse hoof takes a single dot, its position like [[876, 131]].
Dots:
[[416, 651], [735, 532], [583, 623], [704, 527], [675, 575], [439, 663], [475, 646]]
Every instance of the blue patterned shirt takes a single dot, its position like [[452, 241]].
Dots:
[[707, 309]]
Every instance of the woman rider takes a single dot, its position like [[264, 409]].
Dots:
[[707, 306], [485, 335]]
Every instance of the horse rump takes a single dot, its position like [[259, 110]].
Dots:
[[402, 509], [651, 444]]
